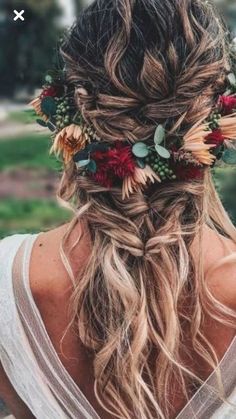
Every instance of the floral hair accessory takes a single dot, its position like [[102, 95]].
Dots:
[[133, 165]]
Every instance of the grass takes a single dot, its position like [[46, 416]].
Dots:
[[27, 116], [29, 151], [30, 216]]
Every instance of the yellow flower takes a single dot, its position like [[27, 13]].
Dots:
[[194, 141], [138, 180], [70, 140]]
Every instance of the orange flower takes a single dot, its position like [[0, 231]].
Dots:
[[228, 126], [70, 140], [195, 141], [36, 104], [138, 180]]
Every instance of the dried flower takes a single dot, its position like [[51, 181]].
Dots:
[[36, 104], [195, 141], [138, 180], [227, 126], [70, 140]]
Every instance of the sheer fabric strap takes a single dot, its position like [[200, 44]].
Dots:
[[72, 401]]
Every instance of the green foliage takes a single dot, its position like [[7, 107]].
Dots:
[[29, 216], [224, 178], [30, 151], [140, 150], [28, 48], [159, 134], [23, 117]]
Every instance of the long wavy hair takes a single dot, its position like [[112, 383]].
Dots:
[[143, 292]]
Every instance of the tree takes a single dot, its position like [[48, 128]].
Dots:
[[79, 5], [26, 47]]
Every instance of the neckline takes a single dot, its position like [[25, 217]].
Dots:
[[65, 372]]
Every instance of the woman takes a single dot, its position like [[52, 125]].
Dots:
[[129, 311]]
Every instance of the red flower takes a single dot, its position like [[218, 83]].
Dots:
[[102, 177], [113, 164], [227, 104], [49, 91], [188, 172], [215, 137], [121, 160]]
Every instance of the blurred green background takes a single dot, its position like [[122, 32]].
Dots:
[[28, 175]]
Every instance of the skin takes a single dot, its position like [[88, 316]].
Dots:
[[51, 288]]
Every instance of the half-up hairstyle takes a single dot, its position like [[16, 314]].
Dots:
[[143, 63]]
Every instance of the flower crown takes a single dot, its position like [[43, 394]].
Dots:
[[132, 166]]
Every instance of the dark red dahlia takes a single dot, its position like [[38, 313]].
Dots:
[[121, 161], [188, 172], [102, 177], [227, 104], [50, 91], [215, 137], [113, 164]]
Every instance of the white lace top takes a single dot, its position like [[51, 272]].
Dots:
[[34, 368]]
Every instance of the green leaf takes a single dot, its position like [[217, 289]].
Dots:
[[232, 79], [162, 151], [97, 147], [51, 126], [48, 106], [82, 163], [229, 156], [141, 163], [81, 155], [92, 166], [41, 122], [159, 134], [140, 150]]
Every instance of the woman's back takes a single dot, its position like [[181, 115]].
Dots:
[[51, 289]]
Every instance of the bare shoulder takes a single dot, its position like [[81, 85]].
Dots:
[[220, 266], [47, 271]]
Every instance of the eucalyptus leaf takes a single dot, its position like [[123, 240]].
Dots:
[[140, 150], [97, 147], [232, 79], [162, 151], [92, 166], [229, 156], [159, 134], [141, 163], [81, 155], [41, 122], [83, 163], [51, 126], [48, 106]]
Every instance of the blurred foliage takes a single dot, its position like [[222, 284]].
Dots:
[[23, 117], [30, 216], [225, 182], [27, 47], [28, 151]]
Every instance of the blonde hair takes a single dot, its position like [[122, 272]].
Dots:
[[128, 301]]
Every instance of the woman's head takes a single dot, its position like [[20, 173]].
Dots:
[[146, 62], [143, 63]]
